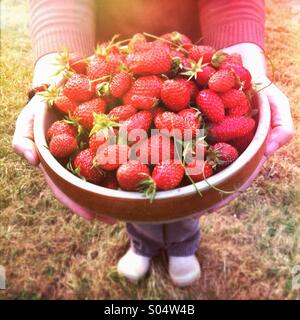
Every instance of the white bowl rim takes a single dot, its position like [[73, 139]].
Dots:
[[254, 146]]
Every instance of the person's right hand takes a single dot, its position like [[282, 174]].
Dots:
[[23, 139]]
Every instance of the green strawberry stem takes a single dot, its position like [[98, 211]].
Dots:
[[101, 78], [148, 187], [103, 122]]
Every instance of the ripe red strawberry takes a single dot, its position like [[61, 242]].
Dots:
[[101, 138], [202, 77], [243, 142], [147, 86], [204, 52], [97, 68], [143, 102], [62, 145], [115, 62], [168, 174], [110, 181], [85, 111], [199, 170], [222, 81], [155, 149], [170, 121], [175, 94], [120, 84], [157, 111], [191, 117], [131, 173], [112, 156], [193, 89], [122, 113], [78, 88], [60, 127], [153, 61], [243, 75], [63, 104], [211, 105], [223, 154], [236, 102], [84, 166], [231, 128], [141, 121], [77, 62]]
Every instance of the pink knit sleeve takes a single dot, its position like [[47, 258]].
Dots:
[[58, 24], [224, 23]]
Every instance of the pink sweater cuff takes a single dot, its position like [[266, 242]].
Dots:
[[57, 24], [225, 23]]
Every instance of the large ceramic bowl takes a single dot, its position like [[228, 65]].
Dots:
[[168, 205]]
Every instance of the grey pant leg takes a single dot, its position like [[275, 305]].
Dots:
[[182, 238], [178, 238], [146, 239]]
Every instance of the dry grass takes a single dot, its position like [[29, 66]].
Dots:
[[247, 249]]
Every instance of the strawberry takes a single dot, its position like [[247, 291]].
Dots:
[[243, 142], [178, 39], [85, 112], [199, 170], [231, 127], [77, 62], [193, 89], [143, 102], [170, 121], [157, 111], [64, 104], [221, 57], [112, 156], [60, 127], [236, 102], [222, 81], [243, 75], [62, 145], [202, 77], [120, 84], [175, 94], [153, 61], [204, 52], [167, 174], [130, 174], [222, 154], [138, 43], [211, 105], [97, 68], [141, 121], [147, 86], [191, 117], [155, 149], [84, 166], [110, 181], [101, 138], [78, 88], [122, 113], [115, 62]]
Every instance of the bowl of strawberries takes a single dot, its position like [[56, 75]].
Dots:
[[155, 131]]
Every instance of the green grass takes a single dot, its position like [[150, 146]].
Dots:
[[247, 250]]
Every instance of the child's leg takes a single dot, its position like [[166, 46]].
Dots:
[[146, 239], [182, 237]]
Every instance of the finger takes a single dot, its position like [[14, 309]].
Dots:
[[23, 136]]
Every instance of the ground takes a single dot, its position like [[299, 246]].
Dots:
[[248, 249]]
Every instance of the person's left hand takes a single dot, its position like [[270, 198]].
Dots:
[[282, 129]]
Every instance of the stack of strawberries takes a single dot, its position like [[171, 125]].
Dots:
[[168, 84]]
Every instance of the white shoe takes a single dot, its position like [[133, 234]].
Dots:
[[184, 270], [133, 266]]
